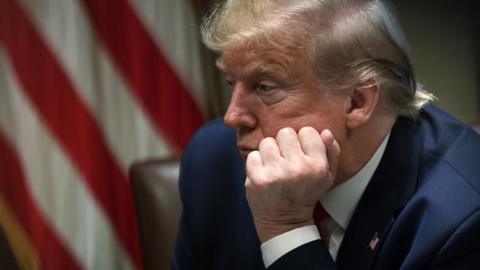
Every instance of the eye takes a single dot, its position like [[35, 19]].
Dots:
[[270, 92], [266, 87], [230, 82]]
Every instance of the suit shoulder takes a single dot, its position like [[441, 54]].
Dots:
[[210, 159], [213, 133], [451, 144]]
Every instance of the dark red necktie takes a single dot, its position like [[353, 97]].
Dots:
[[319, 214]]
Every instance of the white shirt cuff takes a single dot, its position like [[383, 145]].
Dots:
[[281, 244]]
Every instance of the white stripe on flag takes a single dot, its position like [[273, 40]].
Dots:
[[67, 29], [173, 26], [55, 184]]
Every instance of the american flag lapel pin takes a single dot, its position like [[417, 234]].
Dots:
[[373, 243]]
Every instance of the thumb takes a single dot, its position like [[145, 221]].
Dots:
[[333, 150]]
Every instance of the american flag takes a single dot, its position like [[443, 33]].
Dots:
[[87, 87], [373, 243]]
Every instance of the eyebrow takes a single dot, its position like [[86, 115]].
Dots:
[[258, 70]]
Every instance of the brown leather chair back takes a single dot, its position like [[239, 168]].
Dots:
[[155, 191], [7, 259]]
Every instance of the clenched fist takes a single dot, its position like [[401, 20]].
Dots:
[[287, 176]]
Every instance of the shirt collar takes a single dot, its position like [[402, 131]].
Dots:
[[341, 201]]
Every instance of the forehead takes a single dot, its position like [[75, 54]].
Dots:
[[285, 63]]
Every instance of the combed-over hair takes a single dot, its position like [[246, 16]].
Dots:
[[348, 43]]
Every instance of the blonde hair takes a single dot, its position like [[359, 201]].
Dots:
[[348, 43]]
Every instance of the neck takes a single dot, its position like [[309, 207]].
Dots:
[[361, 144]]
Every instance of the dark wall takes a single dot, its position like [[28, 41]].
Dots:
[[443, 35]]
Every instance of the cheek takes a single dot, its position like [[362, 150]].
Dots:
[[318, 122], [300, 111], [271, 124], [336, 123], [332, 119]]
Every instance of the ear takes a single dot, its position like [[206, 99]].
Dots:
[[362, 104]]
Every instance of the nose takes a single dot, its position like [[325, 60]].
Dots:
[[240, 113]]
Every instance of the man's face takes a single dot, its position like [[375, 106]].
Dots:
[[271, 90]]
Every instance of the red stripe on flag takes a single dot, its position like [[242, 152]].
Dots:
[[13, 186], [151, 78], [68, 118]]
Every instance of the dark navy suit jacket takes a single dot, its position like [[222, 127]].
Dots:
[[423, 204]]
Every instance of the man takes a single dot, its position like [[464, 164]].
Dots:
[[346, 166]]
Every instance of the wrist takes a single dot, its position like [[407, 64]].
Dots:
[[268, 230]]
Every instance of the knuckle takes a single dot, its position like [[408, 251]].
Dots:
[[321, 168], [306, 131], [253, 158], [312, 168], [266, 142], [254, 175], [265, 178], [298, 170], [274, 176], [296, 165], [298, 173], [264, 185], [286, 131]]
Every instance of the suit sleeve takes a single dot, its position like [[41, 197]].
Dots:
[[205, 163], [185, 254], [462, 250], [468, 261]]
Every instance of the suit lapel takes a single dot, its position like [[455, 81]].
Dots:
[[392, 184]]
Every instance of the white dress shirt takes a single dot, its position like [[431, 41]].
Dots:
[[340, 203]]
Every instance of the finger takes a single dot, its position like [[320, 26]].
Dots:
[[269, 151], [254, 165], [287, 140], [332, 148], [312, 144], [248, 182]]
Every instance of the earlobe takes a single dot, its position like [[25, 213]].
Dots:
[[362, 104]]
